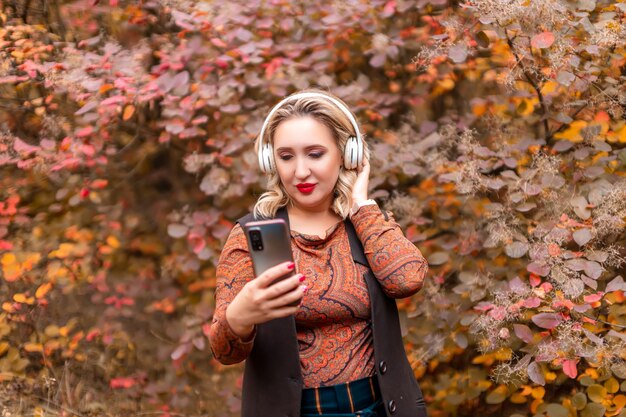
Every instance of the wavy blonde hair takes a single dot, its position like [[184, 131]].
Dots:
[[327, 113]]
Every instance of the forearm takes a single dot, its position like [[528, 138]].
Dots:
[[396, 262], [227, 345]]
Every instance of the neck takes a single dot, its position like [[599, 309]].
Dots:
[[321, 211]]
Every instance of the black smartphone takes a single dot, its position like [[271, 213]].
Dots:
[[269, 244]]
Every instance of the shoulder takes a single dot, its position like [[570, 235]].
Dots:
[[236, 240]]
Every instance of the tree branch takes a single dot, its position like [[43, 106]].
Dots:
[[529, 78]]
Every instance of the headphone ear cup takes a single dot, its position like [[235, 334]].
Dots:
[[266, 159], [353, 153]]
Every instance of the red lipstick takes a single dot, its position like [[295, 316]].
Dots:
[[305, 188]]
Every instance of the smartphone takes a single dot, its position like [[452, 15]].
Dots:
[[269, 244]]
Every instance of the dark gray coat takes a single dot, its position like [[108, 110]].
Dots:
[[272, 384]]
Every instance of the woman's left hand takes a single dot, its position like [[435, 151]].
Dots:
[[359, 190]]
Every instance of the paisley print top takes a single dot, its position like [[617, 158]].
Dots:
[[334, 336]]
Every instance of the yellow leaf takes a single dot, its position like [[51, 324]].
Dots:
[[503, 354], [525, 107], [52, 330], [538, 392], [611, 385], [65, 250], [43, 290], [8, 259], [33, 347], [517, 398], [19, 298], [572, 133], [11, 272], [4, 346], [31, 260], [549, 87], [619, 135], [113, 242], [64, 331], [128, 112], [596, 393]]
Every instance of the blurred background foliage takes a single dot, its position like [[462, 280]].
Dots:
[[498, 131]]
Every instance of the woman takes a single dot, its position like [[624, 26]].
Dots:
[[339, 352]]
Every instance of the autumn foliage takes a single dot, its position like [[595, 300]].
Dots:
[[498, 131]]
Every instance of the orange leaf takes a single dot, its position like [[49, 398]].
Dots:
[[104, 88], [43, 290], [128, 112], [542, 40]]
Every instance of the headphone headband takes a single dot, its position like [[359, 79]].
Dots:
[[333, 100]]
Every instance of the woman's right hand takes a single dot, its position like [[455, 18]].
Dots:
[[260, 301]]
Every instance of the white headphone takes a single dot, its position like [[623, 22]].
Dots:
[[352, 154]]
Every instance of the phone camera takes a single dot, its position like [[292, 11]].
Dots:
[[255, 240]]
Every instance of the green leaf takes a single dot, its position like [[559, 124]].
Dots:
[[496, 396], [556, 410], [579, 400]]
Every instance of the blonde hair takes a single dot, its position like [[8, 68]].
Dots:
[[327, 113]]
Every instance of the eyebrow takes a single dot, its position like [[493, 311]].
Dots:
[[308, 148]]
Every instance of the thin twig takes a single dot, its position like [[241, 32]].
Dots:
[[535, 86]]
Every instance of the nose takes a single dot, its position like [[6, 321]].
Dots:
[[302, 168]]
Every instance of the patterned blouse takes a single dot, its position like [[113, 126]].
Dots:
[[333, 332]]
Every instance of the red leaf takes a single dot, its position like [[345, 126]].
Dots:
[[569, 368], [542, 40]]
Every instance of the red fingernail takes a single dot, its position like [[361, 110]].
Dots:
[[291, 265], [302, 278], [305, 289]]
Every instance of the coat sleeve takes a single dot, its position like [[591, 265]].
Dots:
[[396, 262], [234, 270]]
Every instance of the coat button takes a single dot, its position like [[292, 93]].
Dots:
[[391, 406], [382, 367]]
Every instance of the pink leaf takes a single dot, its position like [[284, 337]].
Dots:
[[218, 42], [378, 60], [114, 100], [87, 149], [542, 40], [484, 306], [523, 332], [547, 320], [180, 351], [23, 147], [531, 302], [569, 368], [538, 268], [592, 298], [536, 374], [498, 313], [85, 131], [389, 9], [122, 382]]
